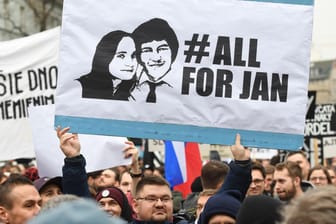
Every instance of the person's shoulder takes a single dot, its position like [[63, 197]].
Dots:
[[306, 185]]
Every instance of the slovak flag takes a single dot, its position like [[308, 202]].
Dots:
[[182, 165]]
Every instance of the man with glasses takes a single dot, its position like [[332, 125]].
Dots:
[[153, 201], [257, 185]]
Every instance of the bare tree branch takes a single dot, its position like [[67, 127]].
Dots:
[[43, 14], [41, 11], [33, 7], [15, 27]]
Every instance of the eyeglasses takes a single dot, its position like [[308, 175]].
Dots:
[[151, 199], [318, 178], [258, 181]]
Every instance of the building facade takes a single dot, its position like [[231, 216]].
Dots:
[[323, 81]]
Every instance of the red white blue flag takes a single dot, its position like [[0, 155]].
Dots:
[[182, 165]]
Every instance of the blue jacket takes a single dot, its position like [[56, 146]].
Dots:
[[229, 197], [75, 177], [239, 177]]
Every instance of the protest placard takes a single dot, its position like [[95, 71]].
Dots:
[[100, 152], [198, 71], [320, 133], [28, 77]]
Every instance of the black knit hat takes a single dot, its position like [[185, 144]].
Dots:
[[259, 209], [225, 203]]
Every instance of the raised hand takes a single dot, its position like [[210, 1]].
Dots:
[[69, 143], [239, 152], [131, 151]]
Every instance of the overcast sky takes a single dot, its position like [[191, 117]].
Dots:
[[324, 30]]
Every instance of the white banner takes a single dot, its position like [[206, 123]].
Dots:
[[100, 152], [28, 74], [187, 70], [329, 147]]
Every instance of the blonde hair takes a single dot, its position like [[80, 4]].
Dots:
[[316, 206]]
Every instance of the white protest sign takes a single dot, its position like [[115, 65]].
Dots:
[[198, 71], [329, 147], [28, 74], [263, 153], [100, 152]]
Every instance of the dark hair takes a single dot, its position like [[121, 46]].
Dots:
[[213, 173], [150, 180], [7, 187], [297, 152], [94, 174], [98, 83], [275, 160], [117, 177], [106, 50], [156, 29], [196, 185], [258, 166], [117, 173]]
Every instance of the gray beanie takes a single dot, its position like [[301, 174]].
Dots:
[[76, 212]]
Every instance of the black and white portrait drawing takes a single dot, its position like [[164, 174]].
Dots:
[[130, 66]]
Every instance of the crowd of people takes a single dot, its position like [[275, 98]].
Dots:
[[243, 191]]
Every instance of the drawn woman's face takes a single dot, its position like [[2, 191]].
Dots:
[[124, 63]]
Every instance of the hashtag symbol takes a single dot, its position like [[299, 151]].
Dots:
[[199, 52]]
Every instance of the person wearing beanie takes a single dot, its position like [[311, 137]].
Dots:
[[259, 209], [223, 207], [115, 203]]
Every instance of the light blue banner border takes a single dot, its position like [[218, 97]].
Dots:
[[179, 132], [295, 2]]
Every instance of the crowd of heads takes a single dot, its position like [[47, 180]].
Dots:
[[276, 193]]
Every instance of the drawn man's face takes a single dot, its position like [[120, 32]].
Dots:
[[124, 63], [156, 57]]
